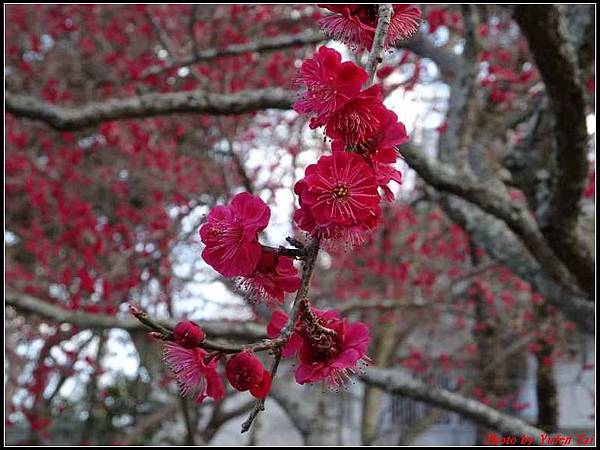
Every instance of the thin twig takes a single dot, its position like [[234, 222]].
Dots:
[[277, 43], [260, 403], [143, 317], [161, 34], [385, 17], [313, 322], [166, 334], [189, 426], [300, 302], [286, 251], [295, 242]]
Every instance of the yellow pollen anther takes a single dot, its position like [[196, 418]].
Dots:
[[340, 192]]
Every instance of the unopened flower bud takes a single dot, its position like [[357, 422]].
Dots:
[[244, 371], [188, 334]]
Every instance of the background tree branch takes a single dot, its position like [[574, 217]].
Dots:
[[556, 59], [219, 329], [494, 236], [397, 381], [447, 178], [148, 105], [308, 37]]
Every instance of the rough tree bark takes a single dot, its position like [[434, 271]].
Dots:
[[27, 303], [397, 381], [147, 105], [555, 57], [493, 235], [545, 382]]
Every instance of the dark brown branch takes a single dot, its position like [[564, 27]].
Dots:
[[189, 426], [447, 61], [219, 418], [284, 251], [314, 325], [159, 331], [556, 60], [300, 303], [308, 37], [148, 105], [493, 235], [461, 118], [295, 242], [517, 217], [399, 382], [27, 303], [301, 307]]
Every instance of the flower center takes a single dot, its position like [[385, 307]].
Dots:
[[368, 14], [367, 147], [341, 192], [226, 232], [324, 347]]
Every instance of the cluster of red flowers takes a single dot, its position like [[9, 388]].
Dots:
[[196, 369], [327, 347], [230, 234], [339, 200], [339, 196], [355, 25], [327, 356]]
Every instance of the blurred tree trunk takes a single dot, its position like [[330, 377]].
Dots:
[[494, 383], [384, 340], [488, 343], [88, 434], [324, 428], [384, 349], [546, 390]]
